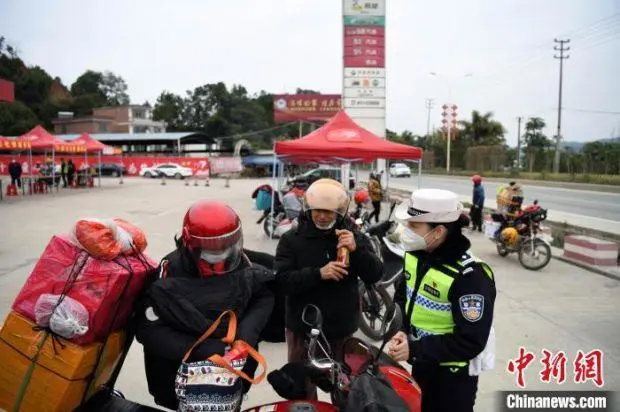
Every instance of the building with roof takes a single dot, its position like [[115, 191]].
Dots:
[[172, 143], [133, 119]]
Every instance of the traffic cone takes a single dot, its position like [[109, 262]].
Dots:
[[11, 190], [163, 180]]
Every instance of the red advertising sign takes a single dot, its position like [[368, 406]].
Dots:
[[366, 41], [363, 52], [309, 107], [364, 31], [200, 165], [364, 62], [364, 46]]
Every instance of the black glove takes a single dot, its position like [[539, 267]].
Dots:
[[289, 382]]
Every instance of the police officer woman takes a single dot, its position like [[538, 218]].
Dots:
[[448, 296]]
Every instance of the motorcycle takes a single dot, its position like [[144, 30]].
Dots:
[[366, 379], [375, 298], [285, 212], [530, 243]]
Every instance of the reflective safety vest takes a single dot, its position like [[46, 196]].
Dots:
[[432, 310]]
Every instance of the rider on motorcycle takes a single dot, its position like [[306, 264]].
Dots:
[[448, 297], [205, 275], [307, 270]]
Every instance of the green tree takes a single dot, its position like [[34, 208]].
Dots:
[[16, 118], [169, 108], [534, 141], [481, 130], [114, 89], [95, 89]]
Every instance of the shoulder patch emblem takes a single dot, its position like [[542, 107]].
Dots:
[[472, 307]]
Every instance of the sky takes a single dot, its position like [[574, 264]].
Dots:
[[490, 55]]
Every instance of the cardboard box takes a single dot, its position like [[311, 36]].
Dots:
[[59, 370]]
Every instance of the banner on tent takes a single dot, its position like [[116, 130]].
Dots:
[[133, 164]]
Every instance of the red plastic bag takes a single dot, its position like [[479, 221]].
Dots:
[[100, 286], [98, 237], [137, 235]]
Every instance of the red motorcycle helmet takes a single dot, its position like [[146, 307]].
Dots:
[[212, 232], [477, 179], [361, 196]]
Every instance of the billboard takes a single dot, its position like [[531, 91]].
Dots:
[[364, 63], [305, 107], [7, 91]]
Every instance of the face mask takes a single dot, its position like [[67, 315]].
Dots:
[[214, 257], [411, 241], [328, 227]]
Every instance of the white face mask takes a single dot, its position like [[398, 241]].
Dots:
[[214, 257], [328, 227], [411, 241]]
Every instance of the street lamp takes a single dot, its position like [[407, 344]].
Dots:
[[449, 132]]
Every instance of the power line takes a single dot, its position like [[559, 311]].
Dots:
[[248, 134], [561, 57], [592, 111]]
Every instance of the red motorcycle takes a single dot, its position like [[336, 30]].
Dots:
[[367, 380]]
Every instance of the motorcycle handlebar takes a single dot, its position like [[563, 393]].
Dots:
[[322, 364]]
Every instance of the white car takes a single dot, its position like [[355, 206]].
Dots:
[[169, 170], [400, 170]]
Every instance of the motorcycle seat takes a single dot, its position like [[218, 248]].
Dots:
[[498, 217]]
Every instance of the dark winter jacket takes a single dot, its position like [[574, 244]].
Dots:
[[300, 255], [15, 170], [468, 338], [178, 308], [478, 197]]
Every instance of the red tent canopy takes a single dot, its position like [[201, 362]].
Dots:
[[41, 139], [91, 145], [343, 140]]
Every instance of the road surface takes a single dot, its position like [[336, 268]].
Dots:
[[580, 202], [561, 307]]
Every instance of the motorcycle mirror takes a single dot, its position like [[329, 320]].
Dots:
[[312, 316], [536, 201]]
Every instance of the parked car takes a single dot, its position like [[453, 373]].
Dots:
[[169, 170], [400, 170], [320, 173], [111, 169]]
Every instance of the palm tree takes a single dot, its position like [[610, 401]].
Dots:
[[482, 130]]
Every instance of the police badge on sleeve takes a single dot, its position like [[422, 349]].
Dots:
[[472, 307]]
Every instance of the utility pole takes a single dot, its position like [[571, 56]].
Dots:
[[561, 57], [429, 106], [519, 143]]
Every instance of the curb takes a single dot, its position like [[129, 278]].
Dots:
[[587, 267]]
